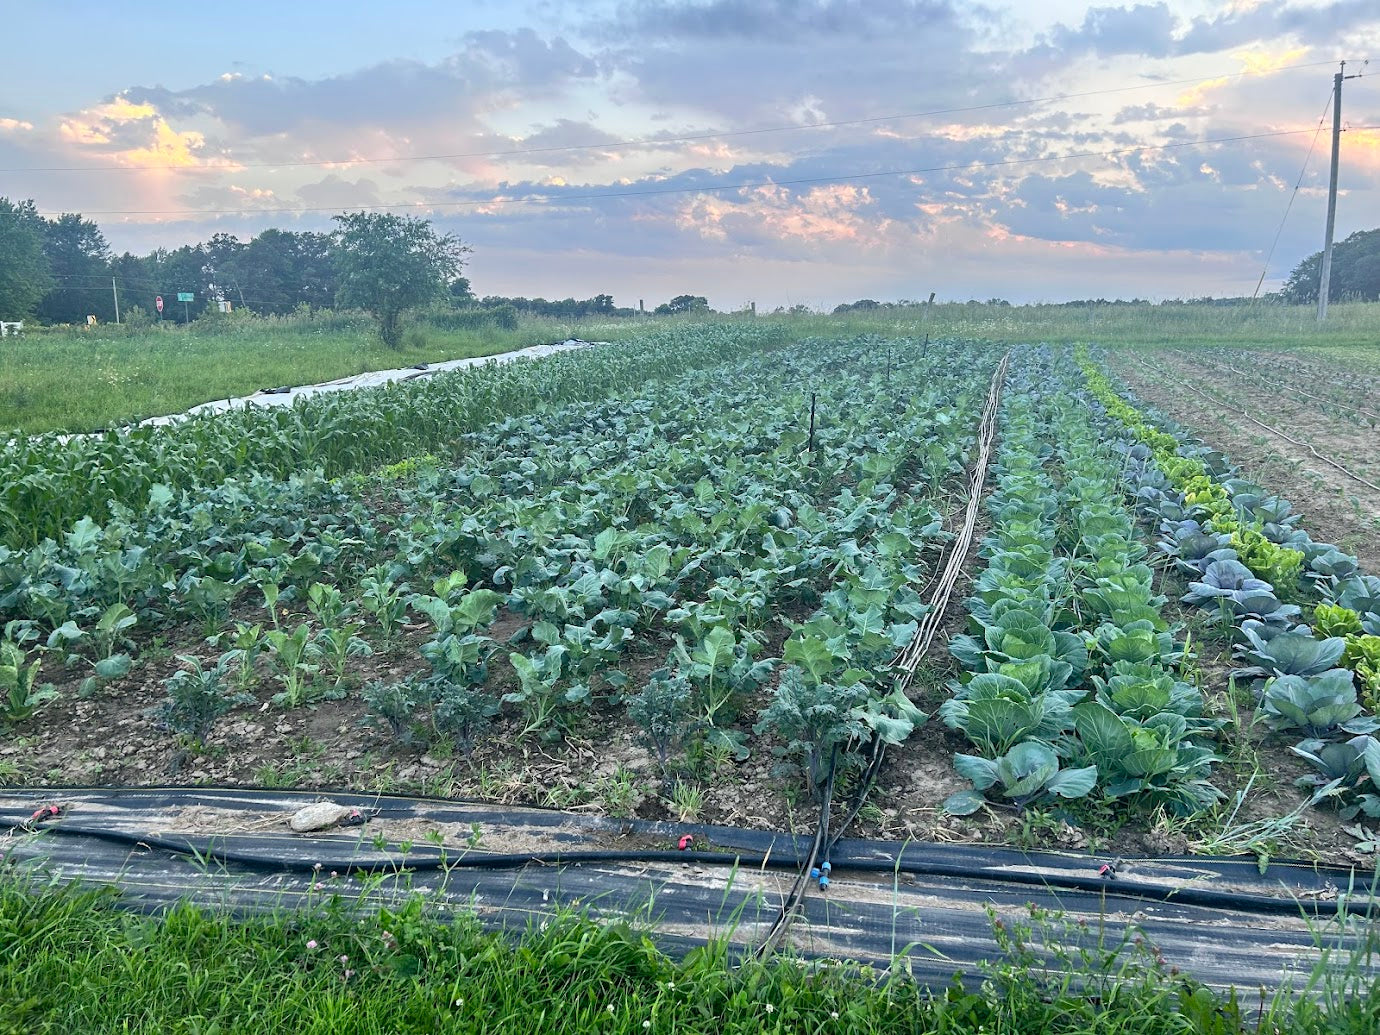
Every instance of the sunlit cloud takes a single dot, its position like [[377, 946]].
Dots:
[[1253, 63]]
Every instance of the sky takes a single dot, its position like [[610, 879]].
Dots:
[[782, 152]]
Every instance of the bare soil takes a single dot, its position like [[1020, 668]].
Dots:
[[1320, 492]]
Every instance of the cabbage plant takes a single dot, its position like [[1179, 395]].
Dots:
[[1024, 775], [1320, 705]]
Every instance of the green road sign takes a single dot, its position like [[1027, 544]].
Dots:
[[186, 296]]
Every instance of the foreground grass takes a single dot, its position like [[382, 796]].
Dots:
[[73, 961]]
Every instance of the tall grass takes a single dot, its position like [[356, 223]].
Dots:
[[1349, 326], [67, 379]]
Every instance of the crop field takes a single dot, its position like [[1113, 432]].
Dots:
[[688, 575]]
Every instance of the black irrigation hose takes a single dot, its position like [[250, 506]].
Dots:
[[987, 427], [796, 897], [1118, 887]]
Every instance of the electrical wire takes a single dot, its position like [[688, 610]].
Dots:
[[1322, 119], [660, 141]]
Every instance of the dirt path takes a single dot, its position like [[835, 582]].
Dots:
[[1322, 493]]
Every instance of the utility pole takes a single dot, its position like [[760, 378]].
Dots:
[[115, 291], [1325, 280]]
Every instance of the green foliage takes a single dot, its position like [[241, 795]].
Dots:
[[395, 702], [1330, 620], [25, 274], [664, 710], [461, 712], [197, 698], [387, 264], [1318, 705], [1027, 773], [816, 719], [20, 696], [1355, 272]]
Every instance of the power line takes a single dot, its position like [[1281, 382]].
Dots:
[[1322, 120], [658, 141], [704, 189]]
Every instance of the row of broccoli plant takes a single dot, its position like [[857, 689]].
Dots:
[[1245, 557], [1071, 688], [692, 514], [179, 523], [688, 505]]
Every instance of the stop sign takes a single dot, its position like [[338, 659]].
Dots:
[[158, 301]]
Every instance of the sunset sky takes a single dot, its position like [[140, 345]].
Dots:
[[777, 151]]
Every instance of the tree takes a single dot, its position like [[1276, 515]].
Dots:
[[79, 260], [1355, 272], [171, 273], [24, 273], [387, 264], [281, 270], [460, 292], [684, 304]]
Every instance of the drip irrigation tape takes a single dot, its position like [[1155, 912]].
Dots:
[[1291, 388]]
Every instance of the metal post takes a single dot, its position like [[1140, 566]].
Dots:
[[1325, 280], [115, 291], [812, 423]]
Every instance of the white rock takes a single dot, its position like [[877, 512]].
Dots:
[[319, 816]]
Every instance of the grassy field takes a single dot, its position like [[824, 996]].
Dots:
[[1352, 329], [75, 380], [75, 961]]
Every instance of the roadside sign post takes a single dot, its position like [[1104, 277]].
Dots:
[[158, 304], [184, 297]]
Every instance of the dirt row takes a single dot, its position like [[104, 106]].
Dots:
[[1320, 492]]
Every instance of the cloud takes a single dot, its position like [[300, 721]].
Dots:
[[15, 126], [490, 70], [1156, 31], [777, 22]]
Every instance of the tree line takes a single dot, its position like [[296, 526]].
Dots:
[[61, 271]]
